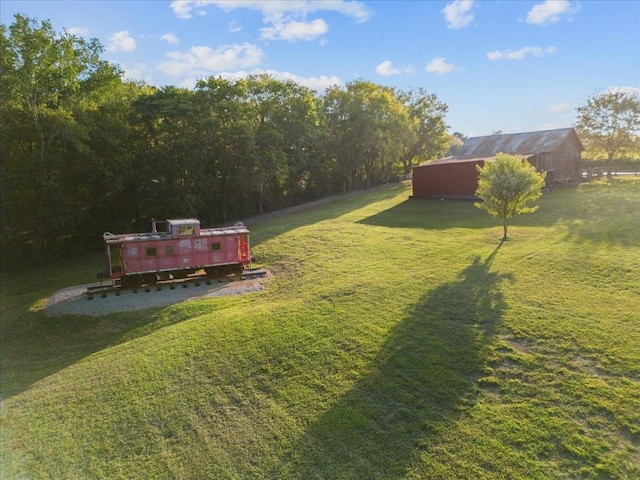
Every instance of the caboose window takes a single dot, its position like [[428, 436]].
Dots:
[[216, 246], [186, 230], [152, 252], [168, 249]]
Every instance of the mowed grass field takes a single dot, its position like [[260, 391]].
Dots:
[[396, 338]]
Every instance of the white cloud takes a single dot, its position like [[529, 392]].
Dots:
[[204, 61], [121, 42], [170, 38], [138, 72], [276, 10], [182, 9], [548, 12], [234, 27], [286, 20], [458, 14], [560, 108], [519, 54], [385, 69], [319, 84], [80, 31], [293, 30], [439, 65]]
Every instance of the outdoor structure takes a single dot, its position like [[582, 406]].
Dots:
[[184, 248], [556, 152]]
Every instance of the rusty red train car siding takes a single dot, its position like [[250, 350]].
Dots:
[[446, 179], [184, 247]]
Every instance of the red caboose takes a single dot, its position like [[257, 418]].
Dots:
[[183, 249]]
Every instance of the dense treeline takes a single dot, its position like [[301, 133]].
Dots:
[[83, 151]]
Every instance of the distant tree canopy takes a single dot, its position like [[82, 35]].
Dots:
[[609, 125], [506, 185], [83, 151]]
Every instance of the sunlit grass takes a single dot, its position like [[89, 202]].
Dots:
[[396, 338]]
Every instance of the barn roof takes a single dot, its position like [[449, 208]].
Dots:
[[457, 159], [526, 143]]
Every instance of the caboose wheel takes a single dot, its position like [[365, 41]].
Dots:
[[179, 274], [212, 272], [149, 279], [132, 281]]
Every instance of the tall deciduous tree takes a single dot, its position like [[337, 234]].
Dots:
[[369, 130], [267, 99], [166, 167], [506, 185], [49, 81], [609, 124], [227, 142], [300, 123], [431, 139]]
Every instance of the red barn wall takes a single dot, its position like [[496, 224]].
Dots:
[[566, 159], [563, 163], [453, 179]]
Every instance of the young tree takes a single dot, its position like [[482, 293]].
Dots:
[[609, 124], [506, 185]]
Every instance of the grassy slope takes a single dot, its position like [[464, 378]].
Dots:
[[396, 338]]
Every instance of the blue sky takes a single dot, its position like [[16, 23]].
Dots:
[[499, 65]]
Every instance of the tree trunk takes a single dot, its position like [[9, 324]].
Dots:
[[504, 226], [261, 197]]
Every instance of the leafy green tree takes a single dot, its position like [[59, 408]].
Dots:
[[455, 144], [164, 172], [300, 125], [609, 124], [431, 140], [506, 185], [228, 143], [369, 130], [108, 160], [267, 99], [49, 82]]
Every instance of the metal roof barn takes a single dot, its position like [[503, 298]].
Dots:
[[556, 152], [528, 143]]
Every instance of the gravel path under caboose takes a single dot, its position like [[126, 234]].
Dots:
[[73, 300]]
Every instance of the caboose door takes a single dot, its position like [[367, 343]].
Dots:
[[115, 260]]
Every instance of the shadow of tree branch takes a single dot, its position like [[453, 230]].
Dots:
[[422, 378]]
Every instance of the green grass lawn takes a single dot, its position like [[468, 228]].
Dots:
[[396, 339]]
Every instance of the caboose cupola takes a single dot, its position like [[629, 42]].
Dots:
[[184, 227]]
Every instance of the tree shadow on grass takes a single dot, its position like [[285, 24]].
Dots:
[[282, 221], [37, 346], [603, 212], [423, 377], [432, 214], [608, 214]]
